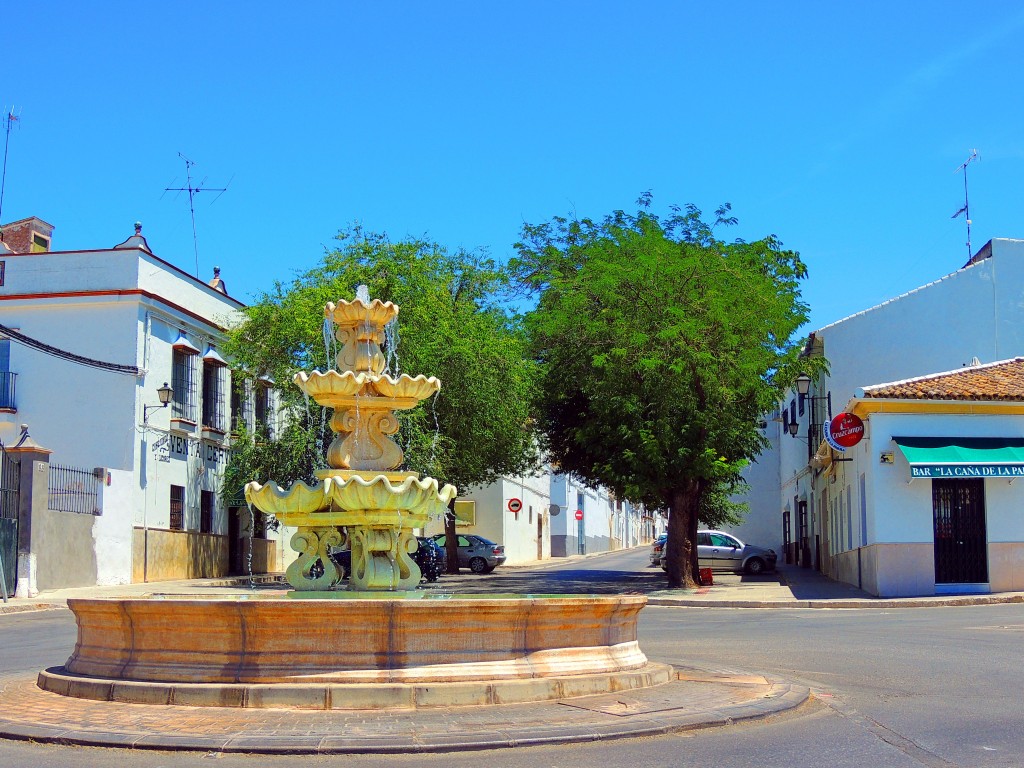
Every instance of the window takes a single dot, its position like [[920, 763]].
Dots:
[[206, 512], [213, 396], [177, 508], [721, 540], [183, 380], [849, 518], [238, 419], [40, 244], [863, 512], [264, 411], [6, 377]]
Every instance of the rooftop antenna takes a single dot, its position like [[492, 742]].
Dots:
[[9, 120], [966, 210], [192, 192]]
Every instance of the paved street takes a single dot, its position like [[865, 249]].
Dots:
[[900, 687]]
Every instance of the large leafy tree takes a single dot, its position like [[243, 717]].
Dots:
[[662, 347], [450, 326]]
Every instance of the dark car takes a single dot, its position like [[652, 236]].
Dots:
[[478, 554], [429, 557]]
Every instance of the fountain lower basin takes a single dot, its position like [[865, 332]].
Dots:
[[353, 653]]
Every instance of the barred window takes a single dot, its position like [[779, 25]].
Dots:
[[206, 512], [213, 396], [177, 508], [264, 408], [239, 418], [183, 376]]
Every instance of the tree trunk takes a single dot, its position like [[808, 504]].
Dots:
[[681, 545], [451, 540]]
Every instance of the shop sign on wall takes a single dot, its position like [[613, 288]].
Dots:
[[844, 431], [162, 448], [181, 448], [967, 470]]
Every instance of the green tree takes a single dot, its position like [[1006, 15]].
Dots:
[[661, 348], [450, 325]]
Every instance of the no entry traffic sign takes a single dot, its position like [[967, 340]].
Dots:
[[579, 514]]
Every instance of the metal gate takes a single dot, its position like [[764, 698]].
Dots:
[[961, 539], [10, 476]]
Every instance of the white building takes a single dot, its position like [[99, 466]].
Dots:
[[929, 501], [974, 313], [534, 517], [92, 336]]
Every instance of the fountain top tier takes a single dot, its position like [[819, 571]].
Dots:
[[362, 395]]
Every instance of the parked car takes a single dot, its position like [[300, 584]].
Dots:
[[658, 548], [429, 557], [478, 554], [722, 551]]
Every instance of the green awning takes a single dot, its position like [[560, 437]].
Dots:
[[963, 456]]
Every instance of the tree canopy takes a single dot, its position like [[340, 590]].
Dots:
[[661, 347], [450, 326]]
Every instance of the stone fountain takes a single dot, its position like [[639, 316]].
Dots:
[[374, 651], [378, 508]]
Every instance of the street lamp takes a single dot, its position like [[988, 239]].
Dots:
[[803, 384], [165, 393]]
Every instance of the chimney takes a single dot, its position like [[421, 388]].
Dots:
[[217, 284], [31, 235]]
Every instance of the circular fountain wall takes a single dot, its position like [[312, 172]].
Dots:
[[353, 654]]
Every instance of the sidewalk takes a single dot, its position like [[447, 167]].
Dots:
[[795, 587]]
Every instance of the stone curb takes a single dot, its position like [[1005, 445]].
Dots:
[[781, 696], [26, 607], [362, 697]]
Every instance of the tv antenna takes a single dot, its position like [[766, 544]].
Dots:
[[9, 120], [192, 192], [966, 210]]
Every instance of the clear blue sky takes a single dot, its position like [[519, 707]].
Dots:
[[836, 126]]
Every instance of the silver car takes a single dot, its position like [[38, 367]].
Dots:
[[478, 554], [722, 551]]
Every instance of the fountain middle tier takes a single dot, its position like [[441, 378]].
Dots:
[[350, 390]]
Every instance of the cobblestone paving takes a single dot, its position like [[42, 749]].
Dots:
[[699, 700]]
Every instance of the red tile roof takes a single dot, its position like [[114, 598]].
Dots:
[[1003, 380]]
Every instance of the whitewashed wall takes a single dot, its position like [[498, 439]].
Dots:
[[113, 529]]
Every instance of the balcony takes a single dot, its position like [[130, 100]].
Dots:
[[7, 400]]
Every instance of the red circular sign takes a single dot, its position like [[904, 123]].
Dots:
[[514, 505], [844, 431], [579, 514]]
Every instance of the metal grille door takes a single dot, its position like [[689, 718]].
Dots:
[[961, 540], [10, 474]]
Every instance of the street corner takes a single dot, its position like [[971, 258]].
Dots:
[[691, 699]]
